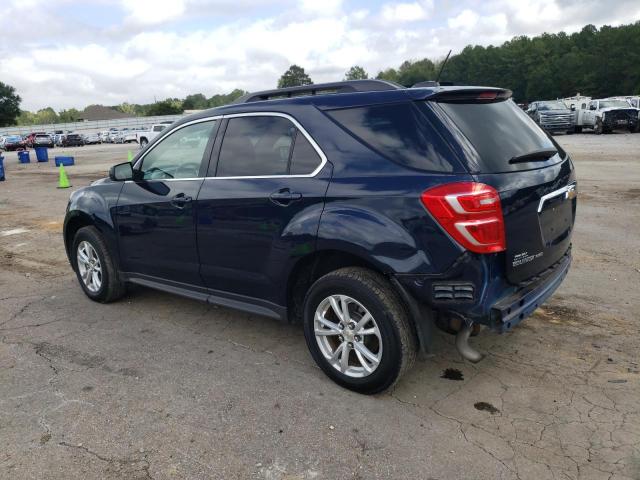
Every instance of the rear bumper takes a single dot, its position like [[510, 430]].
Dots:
[[494, 302], [507, 312]]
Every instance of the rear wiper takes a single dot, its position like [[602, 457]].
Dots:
[[537, 156]]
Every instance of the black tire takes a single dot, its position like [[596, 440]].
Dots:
[[143, 142], [112, 287], [373, 291], [598, 129], [577, 129]]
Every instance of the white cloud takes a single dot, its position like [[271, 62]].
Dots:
[[407, 12], [465, 19], [160, 48], [148, 12]]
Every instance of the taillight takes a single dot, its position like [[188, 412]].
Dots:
[[470, 212]]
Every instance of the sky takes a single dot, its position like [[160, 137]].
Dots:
[[72, 53]]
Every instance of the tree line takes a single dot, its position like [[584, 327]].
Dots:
[[595, 62]]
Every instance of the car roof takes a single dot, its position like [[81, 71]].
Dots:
[[328, 101]]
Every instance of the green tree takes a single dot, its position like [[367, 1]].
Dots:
[[224, 99], [390, 74], [294, 77], [170, 106], [128, 108], [196, 101], [9, 105], [69, 115], [46, 115], [356, 73]]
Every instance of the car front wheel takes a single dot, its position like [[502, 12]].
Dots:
[[95, 267], [358, 330]]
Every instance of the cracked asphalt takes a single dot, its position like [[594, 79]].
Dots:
[[158, 386]]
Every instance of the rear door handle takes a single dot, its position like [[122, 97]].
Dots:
[[284, 197], [180, 200]]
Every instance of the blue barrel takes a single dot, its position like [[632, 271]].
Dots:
[[1, 168], [23, 156], [66, 161], [42, 154]]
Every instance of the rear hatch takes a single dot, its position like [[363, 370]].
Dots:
[[505, 149]]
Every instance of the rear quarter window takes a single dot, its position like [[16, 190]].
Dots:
[[400, 133]]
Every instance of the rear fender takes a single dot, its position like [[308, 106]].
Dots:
[[368, 234]]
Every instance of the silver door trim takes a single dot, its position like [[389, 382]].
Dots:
[[316, 147]]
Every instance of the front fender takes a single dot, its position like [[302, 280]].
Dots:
[[93, 205]]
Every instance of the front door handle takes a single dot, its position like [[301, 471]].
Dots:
[[284, 197], [180, 200]]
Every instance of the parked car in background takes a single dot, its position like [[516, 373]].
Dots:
[[129, 136], [13, 142], [57, 139], [552, 115], [43, 140], [146, 136], [118, 137], [104, 136], [73, 140], [30, 138], [369, 215], [605, 115], [92, 139]]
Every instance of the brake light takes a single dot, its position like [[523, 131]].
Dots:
[[470, 212]]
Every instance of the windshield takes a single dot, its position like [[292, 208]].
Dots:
[[613, 104], [552, 106], [14, 138]]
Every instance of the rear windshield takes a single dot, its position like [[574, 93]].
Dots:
[[399, 132], [501, 133]]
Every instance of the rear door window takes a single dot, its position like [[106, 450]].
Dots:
[[256, 146], [399, 132], [501, 133]]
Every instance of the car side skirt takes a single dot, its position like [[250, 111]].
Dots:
[[215, 297]]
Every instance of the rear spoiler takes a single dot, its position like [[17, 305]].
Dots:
[[465, 95]]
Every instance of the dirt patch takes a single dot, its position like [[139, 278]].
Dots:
[[50, 226]]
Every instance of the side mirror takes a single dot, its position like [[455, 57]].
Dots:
[[592, 107], [573, 108], [121, 172]]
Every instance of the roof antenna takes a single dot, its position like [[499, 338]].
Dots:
[[442, 66]]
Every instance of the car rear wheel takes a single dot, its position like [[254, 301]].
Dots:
[[95, 267], [358, 330], [143, 142]]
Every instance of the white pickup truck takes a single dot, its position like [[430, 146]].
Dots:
[[146, 136], [605, 115]]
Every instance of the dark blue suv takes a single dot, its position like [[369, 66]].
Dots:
[[367, 211]]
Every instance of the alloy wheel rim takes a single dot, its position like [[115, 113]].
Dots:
[[89, 266], [348, 336]]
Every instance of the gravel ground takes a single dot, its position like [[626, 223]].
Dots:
[[157, 386]]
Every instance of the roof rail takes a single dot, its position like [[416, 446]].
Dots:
[[348, 86]]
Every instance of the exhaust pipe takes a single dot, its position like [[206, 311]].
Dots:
[[462, 344]]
